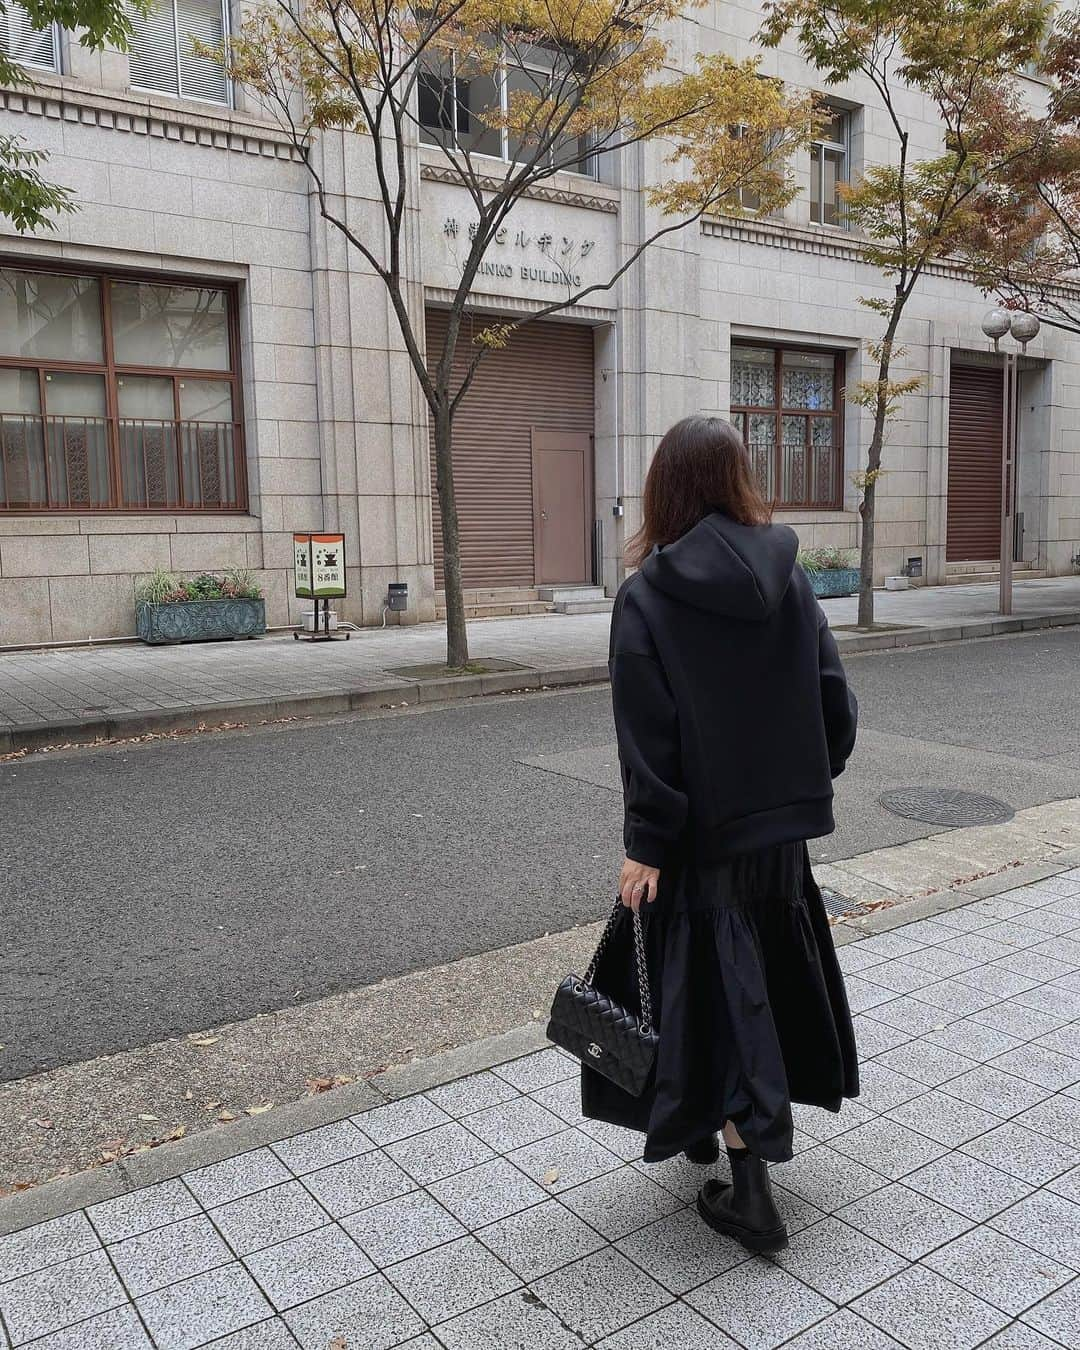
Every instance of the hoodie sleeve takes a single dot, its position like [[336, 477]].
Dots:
[[838, 703], [647, 727]]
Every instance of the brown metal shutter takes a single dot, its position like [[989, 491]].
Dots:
[[542, 378], [973, 531]]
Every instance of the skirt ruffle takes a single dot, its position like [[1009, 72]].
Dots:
[[748, 1000]]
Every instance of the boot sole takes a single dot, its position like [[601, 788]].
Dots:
[[775, 1240]]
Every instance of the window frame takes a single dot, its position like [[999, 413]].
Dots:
[[229, 100], [500, 77], [57, 66], [740, 413], [111, 370], [820, 147]]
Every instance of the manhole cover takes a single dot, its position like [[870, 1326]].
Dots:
[[839, 904], [946, 806]]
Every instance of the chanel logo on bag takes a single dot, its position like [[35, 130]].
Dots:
[[595, 1050]]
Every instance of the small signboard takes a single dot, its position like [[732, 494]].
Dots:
[[319, 565], [302, 565]]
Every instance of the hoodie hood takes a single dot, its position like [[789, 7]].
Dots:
[[742, 571]]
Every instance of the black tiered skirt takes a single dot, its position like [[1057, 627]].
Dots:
[[747, 997]]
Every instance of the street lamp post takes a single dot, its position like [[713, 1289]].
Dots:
[[996, 323]]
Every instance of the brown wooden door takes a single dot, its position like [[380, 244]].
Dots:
[[542, 379], [973, 518], [561, 474]]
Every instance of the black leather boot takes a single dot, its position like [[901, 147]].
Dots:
[[705, 1152], [745, 1210]]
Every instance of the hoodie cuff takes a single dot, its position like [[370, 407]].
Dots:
[[646, 848]]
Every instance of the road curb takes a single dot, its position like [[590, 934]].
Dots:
[[954, 632], [908, 910], [62, 1195], [91, 730], [402, 693]]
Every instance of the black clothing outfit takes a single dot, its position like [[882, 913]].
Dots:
[[733, 716]]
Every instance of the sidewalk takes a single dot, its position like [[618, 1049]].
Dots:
[[940, 1211], [85, 694]]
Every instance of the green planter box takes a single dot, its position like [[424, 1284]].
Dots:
[[200, 620], [834, 581]]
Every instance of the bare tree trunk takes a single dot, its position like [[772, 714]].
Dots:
[[866, 559], [873, 468], [457, 637]]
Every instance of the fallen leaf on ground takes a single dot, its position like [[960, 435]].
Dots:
[[213, 1106], [42, 1123], [338, 1343], [204, 1040], [145, 1115], [551, 1176], [177, 1133], [258, 1110], [226, 1116], [188, 1095], [316, 1085]]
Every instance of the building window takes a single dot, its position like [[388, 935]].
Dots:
[[118, 395], [452, 103], [750, 198], [786, 403], [162, 54], [829, 156], [29, 46]]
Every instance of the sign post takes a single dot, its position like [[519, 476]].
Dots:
[[319, 575]]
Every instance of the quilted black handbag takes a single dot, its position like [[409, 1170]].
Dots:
[[602, 1033]]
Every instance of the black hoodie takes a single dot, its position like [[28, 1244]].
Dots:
[[731, 706]]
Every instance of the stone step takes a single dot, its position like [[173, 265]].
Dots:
[[493, 595], [977, 565], [574, 593], [993, 573], [504, 609], [604, 606]]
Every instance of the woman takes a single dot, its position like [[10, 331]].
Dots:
[[733, 716]]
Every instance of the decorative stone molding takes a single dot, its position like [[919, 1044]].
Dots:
[[514, 304], [545, 192], [782, 234], [825, 242], [971, 357], [67, 100]]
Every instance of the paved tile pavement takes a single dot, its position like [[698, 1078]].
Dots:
[[939, 1211], [48, 687]]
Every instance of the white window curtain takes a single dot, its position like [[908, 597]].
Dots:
[[29, 46], [161, 53]]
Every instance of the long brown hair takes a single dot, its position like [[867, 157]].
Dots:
[[701, 465]]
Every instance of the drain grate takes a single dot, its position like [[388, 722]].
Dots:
[[839, 904], [946, 806]]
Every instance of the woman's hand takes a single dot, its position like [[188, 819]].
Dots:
[[637, 883]]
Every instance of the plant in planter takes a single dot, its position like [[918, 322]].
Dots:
[[169, 608], [832, 571]]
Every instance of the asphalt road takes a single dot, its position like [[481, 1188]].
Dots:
[[152, 890]]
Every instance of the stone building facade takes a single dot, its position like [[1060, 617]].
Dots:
[[194, 365]]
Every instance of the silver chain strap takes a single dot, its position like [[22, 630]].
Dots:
[[639, 957]]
